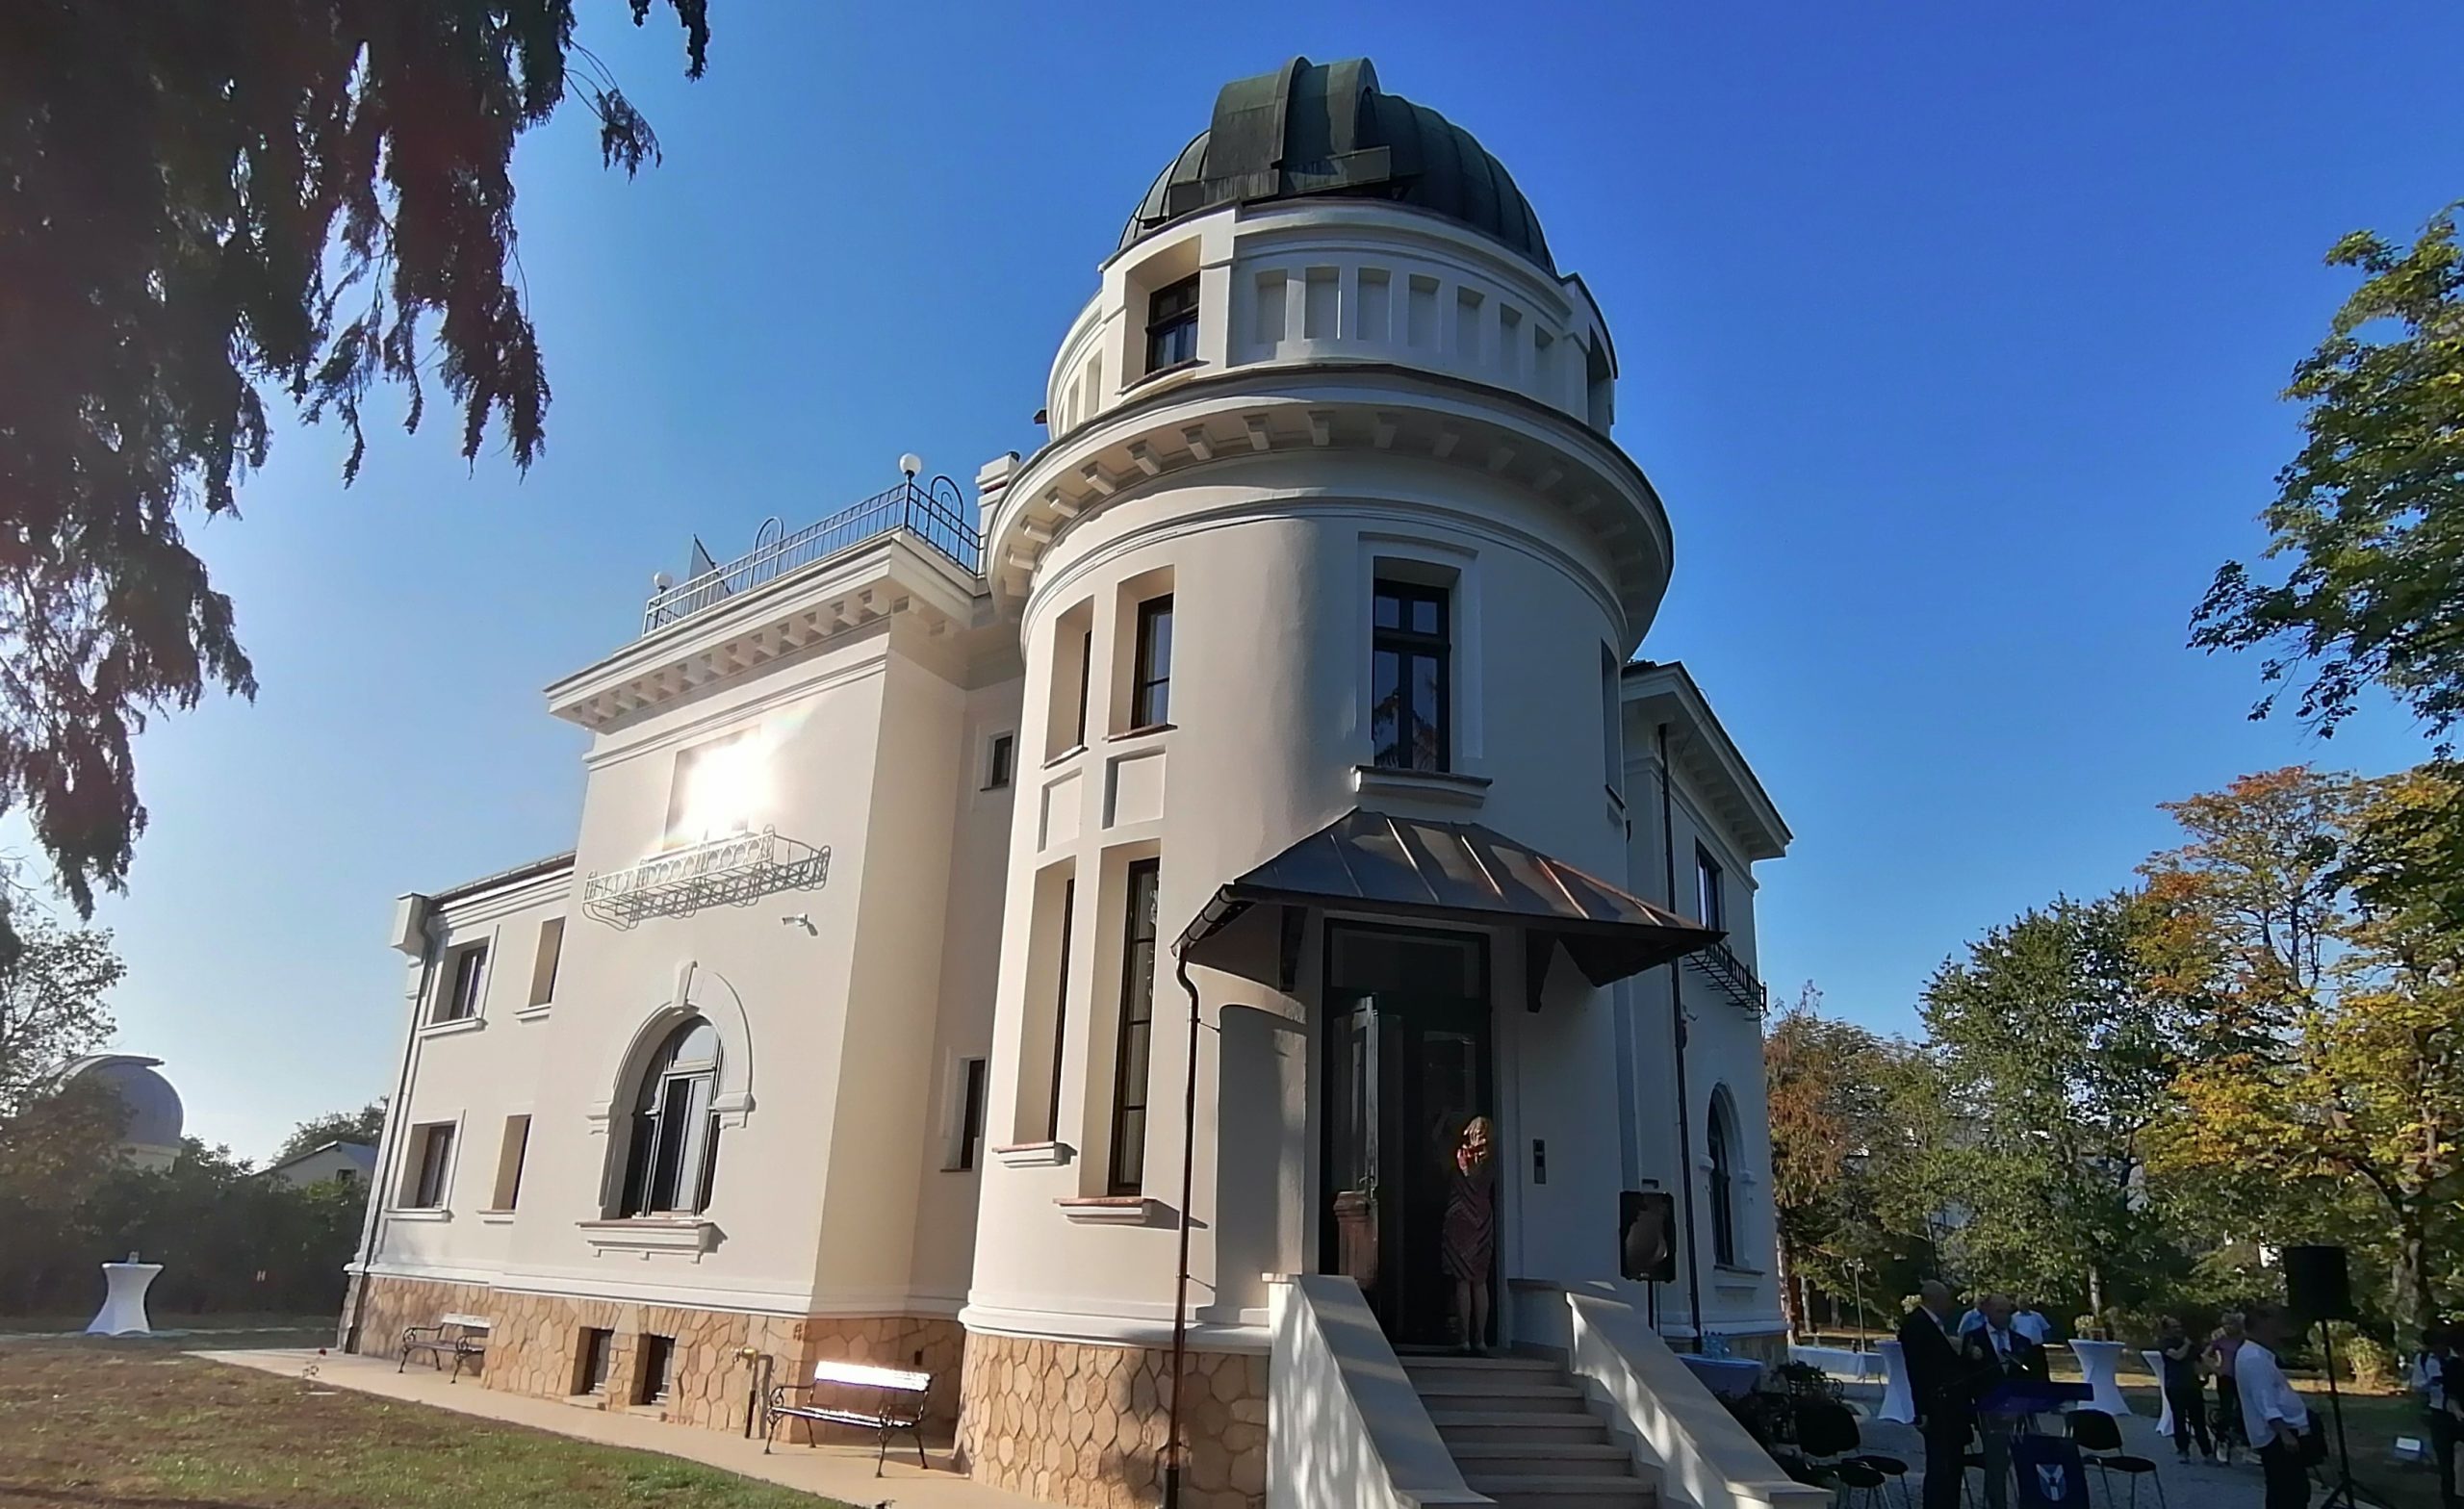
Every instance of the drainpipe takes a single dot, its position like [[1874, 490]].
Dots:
[[1178, 1452], [1677, 1029], [389, 1138]]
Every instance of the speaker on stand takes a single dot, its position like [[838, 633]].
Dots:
[[2317, 1289]]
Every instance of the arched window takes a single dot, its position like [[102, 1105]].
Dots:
[[1719, 1146], [674, 1146]]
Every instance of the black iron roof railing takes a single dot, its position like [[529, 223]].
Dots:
[[1729, 972], [937, 521]]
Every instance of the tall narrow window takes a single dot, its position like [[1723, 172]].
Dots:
[[1060, 1009], [1719, 1137], [1171, 326], [1137, 1029], [970, 1118], [672, 1151], [543, 964], [1150, 699], [659, 1367], [1000, 758], [466, 976], [1085, 681], [509, 1159], [1612, 757], [1409, 690], [590, 1371], [431, 1162], [1710, 903]]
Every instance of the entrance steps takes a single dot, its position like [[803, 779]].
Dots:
[[1522, 1433]]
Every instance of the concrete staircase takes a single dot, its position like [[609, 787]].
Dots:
[[1522, 1434]]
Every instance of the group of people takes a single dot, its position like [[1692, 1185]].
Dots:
[[1954, 1367]]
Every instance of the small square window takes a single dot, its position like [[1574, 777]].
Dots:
[[1171, 326], [432, 1163], [1710, 903], [466, 975], [1000, 761]]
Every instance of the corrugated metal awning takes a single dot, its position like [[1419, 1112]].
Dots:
[[1420, 870]]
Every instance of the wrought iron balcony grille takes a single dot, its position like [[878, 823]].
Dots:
[[934, 515], [734, 870], [1729, 972]]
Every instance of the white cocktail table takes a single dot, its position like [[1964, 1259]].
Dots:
[[123, 1311], [2165, 1419], [1899, 1401], [2098, 1361]]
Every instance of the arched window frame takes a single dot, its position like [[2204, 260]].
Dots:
[[1720, 1162], [670, 1144]]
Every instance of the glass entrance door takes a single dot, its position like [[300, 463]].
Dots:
[[1408, 1068]]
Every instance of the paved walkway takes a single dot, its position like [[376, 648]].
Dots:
[[2196, 1485], [840, 1472]]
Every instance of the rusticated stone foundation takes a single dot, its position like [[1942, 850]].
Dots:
[[720, 1358], [1074, 1423]]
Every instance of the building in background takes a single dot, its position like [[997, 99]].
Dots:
[[150, 1136], [342, 1162], [1292, 683]]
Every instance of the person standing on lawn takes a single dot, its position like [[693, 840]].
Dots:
[[2221, 1348], [2439, 1406], [1996, 1353], [1937, 1383], [2185, 1391], [2273, 1418]]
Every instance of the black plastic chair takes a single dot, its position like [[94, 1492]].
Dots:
[[1827, 1431], [2099, 1439], [1972, 1462], [1891, 1468]]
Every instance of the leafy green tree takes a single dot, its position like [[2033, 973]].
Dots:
[[2371, 512], [207, 210], [364, 1125], [2055, 1057], [51, 1008]]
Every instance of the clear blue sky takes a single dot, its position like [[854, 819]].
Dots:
[[1951, 336]]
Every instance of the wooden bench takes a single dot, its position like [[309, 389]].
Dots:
[[889, 1401], [454, 1337]]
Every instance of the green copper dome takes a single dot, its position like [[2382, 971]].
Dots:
[[1325, 129]]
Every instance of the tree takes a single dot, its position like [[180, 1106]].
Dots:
[[364, 1125], [2056, 1056], [51, 1008], [2370, 511], [205, 209], [2359, 1078]]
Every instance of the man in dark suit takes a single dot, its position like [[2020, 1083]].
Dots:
[[1938, 1381], [1993, 1354]]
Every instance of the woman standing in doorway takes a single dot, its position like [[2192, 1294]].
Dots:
[[1468, 1241]]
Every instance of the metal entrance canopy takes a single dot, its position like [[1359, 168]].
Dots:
[[1421, 870]]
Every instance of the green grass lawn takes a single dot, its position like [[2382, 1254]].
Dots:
[[121, 1423]]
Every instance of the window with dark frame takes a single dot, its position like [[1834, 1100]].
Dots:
[[970, 1113], [468, 973], [1150, 692], [1085, 681], [670, 1158], [435, 1161], [1710, 903], [1128, 1171], [1717, 1137], [1410, 673], [1000, 760], [659, 1366], [598, 1351], [1171, 326], [1060, 1009]]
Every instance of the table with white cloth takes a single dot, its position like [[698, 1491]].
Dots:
[[1899, 1400], [123, 1311], [1838, 1361], [1730, 1378], [2098, 1362], [2165, 1419]]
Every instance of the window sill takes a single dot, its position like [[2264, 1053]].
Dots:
[[451, 1024], [1191, 365], [1065, 756], [495, 1217], [1737, 1270], [649, 1233], [1033, 1155], [533, 1014], [1446, 786], [1139, 732], [419, 1213], [1111, 1210]]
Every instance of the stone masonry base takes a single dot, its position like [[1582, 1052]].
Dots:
[[536, 1345], [1074, 1423]]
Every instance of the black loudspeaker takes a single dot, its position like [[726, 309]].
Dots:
[[2315, 1284], [1647, 1236]]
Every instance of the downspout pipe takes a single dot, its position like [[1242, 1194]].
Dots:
[[389, 1139], [1677, 1032], [1175, 1449]]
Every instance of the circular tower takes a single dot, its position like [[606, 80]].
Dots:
[[1329, 523]]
